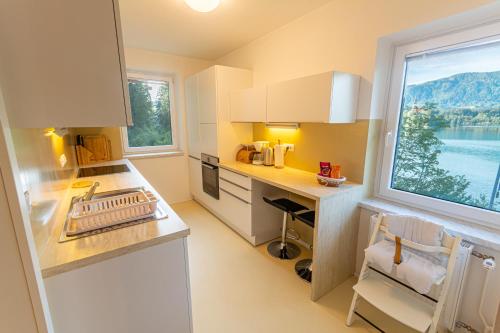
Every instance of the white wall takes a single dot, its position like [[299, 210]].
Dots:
[[342, 35], [169, 175]]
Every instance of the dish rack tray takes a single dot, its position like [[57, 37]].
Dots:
[[100, 213]]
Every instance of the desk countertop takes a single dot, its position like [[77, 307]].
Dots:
[[293, 180]]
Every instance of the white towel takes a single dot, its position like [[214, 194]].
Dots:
[[381, 254], [419, 272], [415, 229]]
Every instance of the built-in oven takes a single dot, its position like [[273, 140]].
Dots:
[[210, 175]]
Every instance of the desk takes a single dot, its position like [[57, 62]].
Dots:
[[337, 218]]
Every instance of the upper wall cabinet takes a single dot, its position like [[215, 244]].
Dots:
[[62, 63], [330, 97], [249, 105]]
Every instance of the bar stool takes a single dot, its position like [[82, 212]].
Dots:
[[281, 249], [303, 267]]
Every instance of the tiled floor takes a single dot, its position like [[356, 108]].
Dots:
[[237, 288]]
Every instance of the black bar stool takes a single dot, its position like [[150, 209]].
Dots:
[[281, 249], [303, 267]]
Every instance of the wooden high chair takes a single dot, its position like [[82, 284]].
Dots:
[[395, 298]]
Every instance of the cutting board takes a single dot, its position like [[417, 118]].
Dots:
[[95, 149]]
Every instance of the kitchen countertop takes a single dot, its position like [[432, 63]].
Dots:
[[293, 180], [56, 258]]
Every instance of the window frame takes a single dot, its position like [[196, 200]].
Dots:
[[153, 150], [397, 68]]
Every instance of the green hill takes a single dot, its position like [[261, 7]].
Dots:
[[466, 90]]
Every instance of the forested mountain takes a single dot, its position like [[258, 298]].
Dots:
[[466, 90]]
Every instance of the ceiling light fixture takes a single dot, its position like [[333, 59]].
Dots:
[[203, 6]]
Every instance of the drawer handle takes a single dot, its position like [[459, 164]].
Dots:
[[236, 173], [230, 182], [240, 199]]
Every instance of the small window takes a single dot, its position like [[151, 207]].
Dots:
[[443, 132], [151, 102]]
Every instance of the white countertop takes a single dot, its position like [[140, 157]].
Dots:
[[56, 258], [293, 180]]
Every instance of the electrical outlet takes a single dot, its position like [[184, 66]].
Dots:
[[290, 146]]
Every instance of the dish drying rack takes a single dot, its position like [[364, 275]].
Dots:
[[106, 212]]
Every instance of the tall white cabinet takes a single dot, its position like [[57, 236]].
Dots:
[[62, 63], [210, 130], [209, 126]]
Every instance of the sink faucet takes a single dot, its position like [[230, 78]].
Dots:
[[90, 193]]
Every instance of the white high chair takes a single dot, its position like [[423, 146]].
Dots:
[[397, 300]]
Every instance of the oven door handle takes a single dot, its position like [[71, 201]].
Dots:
[[211, 167]]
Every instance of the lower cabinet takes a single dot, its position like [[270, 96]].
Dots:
[[141, 291], [237, 212], [195, 181]]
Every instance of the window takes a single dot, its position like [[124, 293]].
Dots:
[[151, 102], [442, 148]]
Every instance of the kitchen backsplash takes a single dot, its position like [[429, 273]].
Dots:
[[343, 144], [40, 156]]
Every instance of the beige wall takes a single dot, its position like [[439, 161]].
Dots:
[[342, 35], [169, 175]]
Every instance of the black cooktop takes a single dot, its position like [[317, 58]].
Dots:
[[102, 170]]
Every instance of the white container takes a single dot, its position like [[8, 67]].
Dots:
[[279, 156]]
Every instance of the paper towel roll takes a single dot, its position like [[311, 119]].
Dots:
[[279, 156]]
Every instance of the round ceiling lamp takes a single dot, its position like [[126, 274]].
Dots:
[[203, 6]]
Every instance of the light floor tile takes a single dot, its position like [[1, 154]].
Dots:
[[238, 288]]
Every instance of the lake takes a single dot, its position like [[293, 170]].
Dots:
[[473, 152]]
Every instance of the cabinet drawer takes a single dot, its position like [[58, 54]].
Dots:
[[236, 178], [236, 212], [237, 190]]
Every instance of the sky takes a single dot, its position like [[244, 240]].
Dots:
[[423, 68]]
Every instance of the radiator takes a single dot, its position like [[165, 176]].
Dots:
[[457, 285]]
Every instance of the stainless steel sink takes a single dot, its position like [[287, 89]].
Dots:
[[160, 214]]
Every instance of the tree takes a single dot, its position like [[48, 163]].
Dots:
[[416, 167], [163, 115]]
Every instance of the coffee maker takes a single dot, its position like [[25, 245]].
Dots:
[[258, 156]]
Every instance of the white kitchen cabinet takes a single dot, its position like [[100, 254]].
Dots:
[[208, 139], [192, 116], [330, 97], [142, 291], [236, 212], [207, 96], [218, 136], [249, 105], [62, 63], [195, 181]]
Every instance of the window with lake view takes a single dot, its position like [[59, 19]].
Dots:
[[448, 134], [151, 105]]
